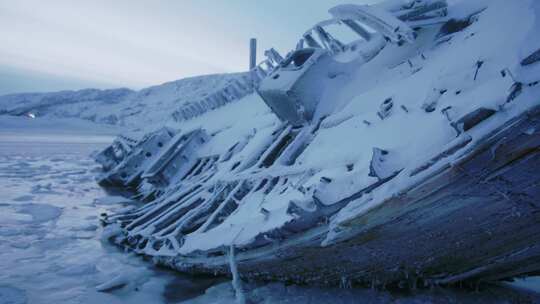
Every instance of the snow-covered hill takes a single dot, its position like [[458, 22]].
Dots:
[[123, 107]]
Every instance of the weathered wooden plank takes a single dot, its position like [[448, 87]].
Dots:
[[477, 220]]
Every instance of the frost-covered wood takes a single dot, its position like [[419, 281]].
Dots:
[[290, 91], [381, 165], [316, 188], [460, 222], [532, 58]]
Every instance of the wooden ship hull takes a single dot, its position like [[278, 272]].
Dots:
[[251, 193], [477, 220]]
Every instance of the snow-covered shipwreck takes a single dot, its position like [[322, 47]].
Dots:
[[407, 155]]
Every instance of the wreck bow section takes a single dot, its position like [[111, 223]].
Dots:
[[352, 149]]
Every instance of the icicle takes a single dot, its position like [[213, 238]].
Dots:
[[345, 283], [236, 281]]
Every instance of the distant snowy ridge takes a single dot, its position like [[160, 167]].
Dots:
[[123, 107]]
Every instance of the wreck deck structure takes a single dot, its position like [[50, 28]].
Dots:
[[456, 199]]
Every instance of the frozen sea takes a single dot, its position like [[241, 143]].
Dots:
[[51, 250]]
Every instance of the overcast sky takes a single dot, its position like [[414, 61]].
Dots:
[[67, 44]]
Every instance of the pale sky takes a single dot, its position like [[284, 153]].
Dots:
[[69, 44]]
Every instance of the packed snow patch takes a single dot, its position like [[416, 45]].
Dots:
[[119, 281], [41, 213], [111, 231], [112, 200]]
